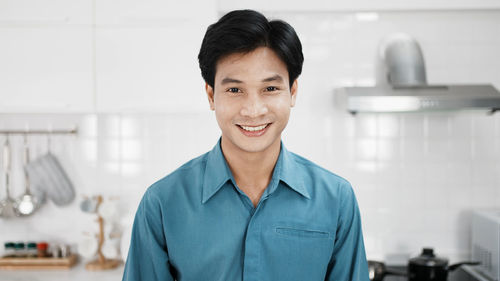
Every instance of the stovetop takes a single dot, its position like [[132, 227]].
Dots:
[[457, 275]]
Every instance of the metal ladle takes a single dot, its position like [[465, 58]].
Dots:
[[27, 203], [7, 209]]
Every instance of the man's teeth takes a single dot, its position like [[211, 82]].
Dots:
[[253, 129]]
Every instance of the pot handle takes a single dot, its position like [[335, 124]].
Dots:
[[395, 272], [457, 265]]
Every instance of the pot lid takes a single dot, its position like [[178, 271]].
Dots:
[[428, 258]]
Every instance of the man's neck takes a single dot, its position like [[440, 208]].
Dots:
[[252, 171]]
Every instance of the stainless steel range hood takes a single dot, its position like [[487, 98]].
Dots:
[[406, 88], [421, 98]]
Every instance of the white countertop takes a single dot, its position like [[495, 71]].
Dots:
[[476, 274], [76, 273]]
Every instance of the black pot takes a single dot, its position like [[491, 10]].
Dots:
[[428, 267]]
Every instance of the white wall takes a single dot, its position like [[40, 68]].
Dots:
[[417, 176]]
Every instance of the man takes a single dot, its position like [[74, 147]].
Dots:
[[249, 209]]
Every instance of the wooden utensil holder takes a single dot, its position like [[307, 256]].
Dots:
[[101, 263]]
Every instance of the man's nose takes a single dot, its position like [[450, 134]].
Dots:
[[254, 106]]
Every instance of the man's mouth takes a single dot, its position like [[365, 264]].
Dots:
[[254, 131], [254, 128]]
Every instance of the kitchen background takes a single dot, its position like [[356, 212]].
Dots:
[[125, 74]]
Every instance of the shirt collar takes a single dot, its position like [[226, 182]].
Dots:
[[291, 172], [217, 173]]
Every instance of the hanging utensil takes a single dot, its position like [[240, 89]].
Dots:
[[27, 203], [7, 204], [47, 172]]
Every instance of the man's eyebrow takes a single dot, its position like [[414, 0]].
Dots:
[[228, 80], [276, 78]]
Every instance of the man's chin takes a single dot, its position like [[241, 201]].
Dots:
[[255, 145]]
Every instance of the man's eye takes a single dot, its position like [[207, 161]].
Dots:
[[271, 88], [233, 90]]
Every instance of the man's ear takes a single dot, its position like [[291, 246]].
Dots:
[[293, 92], [210, 95]]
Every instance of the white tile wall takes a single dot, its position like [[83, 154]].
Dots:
[[417, 176]]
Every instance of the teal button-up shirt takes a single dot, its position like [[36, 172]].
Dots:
[[197, 225]]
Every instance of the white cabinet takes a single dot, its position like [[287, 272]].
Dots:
[[45, 12], [46, 56], [45, 69], [355, 5], [149, 69], [146, 55], [154, 12], [106, 55]]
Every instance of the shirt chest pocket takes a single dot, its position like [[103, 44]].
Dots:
[[296, 252], [301, 233]]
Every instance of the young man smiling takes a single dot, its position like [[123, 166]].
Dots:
[[249, 209]]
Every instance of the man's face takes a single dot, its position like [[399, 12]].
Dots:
[[252, 99]]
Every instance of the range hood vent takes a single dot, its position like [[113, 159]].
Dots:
[[402, 85]]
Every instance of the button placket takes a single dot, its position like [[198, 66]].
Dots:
[[251, 263]]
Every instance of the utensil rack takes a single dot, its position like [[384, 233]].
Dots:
[[39, 132]]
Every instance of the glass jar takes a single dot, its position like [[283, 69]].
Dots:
[[42, 249], [10, 249], [31, 250], [20, 249]]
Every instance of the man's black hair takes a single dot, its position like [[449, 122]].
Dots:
[[243, 31]]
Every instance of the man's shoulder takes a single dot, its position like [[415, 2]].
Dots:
[[311, 169], [321, 182], [187, 174]]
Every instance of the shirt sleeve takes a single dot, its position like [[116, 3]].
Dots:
[[147, 256], [348, 261]]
